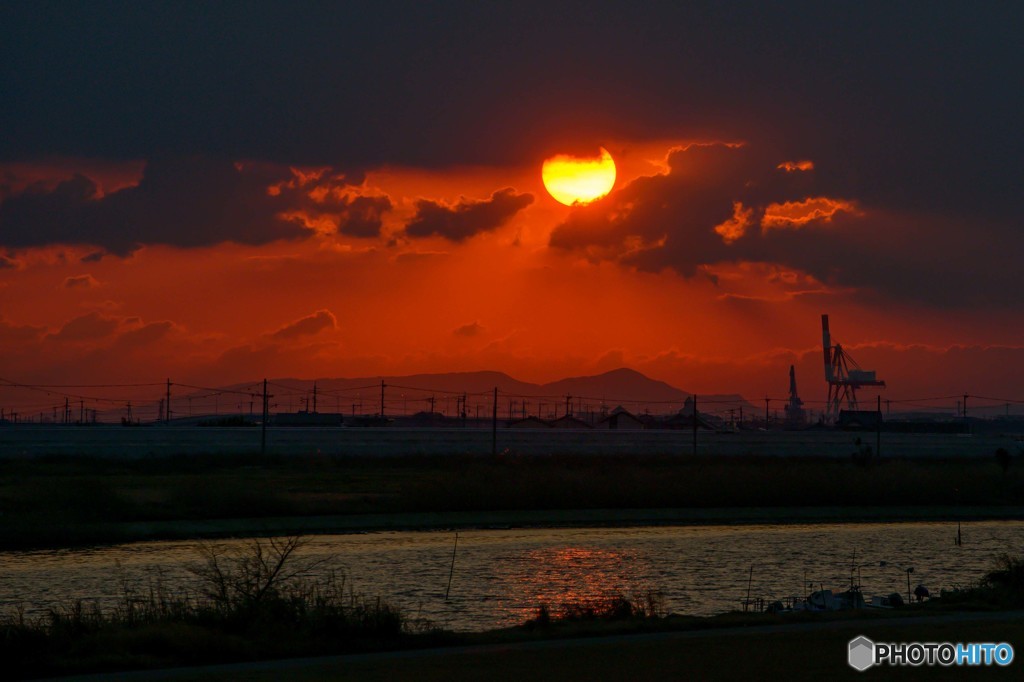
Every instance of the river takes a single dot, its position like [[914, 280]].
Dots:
[[501, 575]]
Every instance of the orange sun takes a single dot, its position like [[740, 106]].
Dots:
[[573, 180]]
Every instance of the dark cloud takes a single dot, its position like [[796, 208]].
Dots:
[[328, 197], [362, 216], [16, 334], [306, 326], [190, 201], [468, 217], [669, 220], [906, 100], [912, 109], [80, 282], [720, 204], [144, 335], [468, 330], [194, 201], [43, 216], [87, 327]]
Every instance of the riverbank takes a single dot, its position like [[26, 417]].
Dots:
[[64, 502], [157, 440], [116, 533], [794, 651]]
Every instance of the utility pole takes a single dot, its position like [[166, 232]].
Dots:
[[382, 398], [263, 424], [694, 423], [766, 400], [568, 405], [967, 424], [167, 405], [314, 398], [878, 429], [494, 425], [81, 411], [67, 411]]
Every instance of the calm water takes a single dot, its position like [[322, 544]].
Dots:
[[502, 575]]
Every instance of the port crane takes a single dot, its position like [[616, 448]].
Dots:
[[844, 376]]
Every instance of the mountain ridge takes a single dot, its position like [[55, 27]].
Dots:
[[611, 388]]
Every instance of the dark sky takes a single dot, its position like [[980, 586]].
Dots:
[[915, 105], [293, 187]]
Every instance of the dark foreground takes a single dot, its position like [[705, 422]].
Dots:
[[74, 501], [803, 651]]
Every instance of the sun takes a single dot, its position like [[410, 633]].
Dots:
[[574, 180]]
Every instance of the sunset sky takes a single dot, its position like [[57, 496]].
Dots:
[[221, 192]]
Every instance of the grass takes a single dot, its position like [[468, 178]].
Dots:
[[611, 609], [249, 605], [1000, 588], [62, 501]]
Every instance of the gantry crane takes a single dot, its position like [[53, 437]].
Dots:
[[844, 376]]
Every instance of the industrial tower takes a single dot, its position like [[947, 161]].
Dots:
[[795, 415], [843, 381]]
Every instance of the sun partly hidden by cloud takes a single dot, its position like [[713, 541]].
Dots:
[[574, 180]]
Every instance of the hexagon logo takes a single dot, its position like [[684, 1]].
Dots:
[[862, 653]]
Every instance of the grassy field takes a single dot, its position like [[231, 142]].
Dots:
[[65, 501]]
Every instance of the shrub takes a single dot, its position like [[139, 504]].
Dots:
[[255, 602], [617, 607]]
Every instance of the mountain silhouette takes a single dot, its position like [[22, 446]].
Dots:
[[611, 388]]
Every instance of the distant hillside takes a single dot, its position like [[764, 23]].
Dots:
[[619, 386]]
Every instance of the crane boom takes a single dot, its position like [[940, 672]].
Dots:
[[843, 375]]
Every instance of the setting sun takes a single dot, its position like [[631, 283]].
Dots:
[[574, 180]]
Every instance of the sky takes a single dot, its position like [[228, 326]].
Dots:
[[221, 192]]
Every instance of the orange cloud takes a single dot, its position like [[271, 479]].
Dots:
[[735, 227], [795, 214], [791, 166]]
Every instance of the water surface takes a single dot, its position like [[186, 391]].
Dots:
[[501, 576]]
